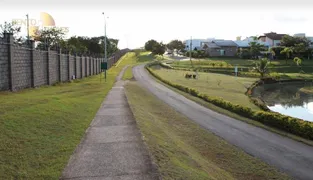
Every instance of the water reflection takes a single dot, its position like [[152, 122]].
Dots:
[[287, 99]]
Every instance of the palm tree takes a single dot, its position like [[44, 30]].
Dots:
[[273, 53], [298, 62], [287, 51], [262, 67]]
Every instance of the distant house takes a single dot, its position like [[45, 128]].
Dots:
[[273, 39], [246, 43], [195, 44], [218, 48]]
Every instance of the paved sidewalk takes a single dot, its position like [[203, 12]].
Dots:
[[112, 147]]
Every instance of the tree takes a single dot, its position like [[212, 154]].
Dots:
[[176, 44], [298, 62], [84, 45], [287, 51], [255, 48], [50, 37], [159, 49], [93, 45], [300, 48], [262, 67], [151, 44], [273, 53], [290, 41], [244, 53], [310, 51], [76, 44], [11, 28]]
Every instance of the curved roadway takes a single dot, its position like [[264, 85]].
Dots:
[[291, 157]]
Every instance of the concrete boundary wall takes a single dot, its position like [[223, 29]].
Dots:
[[22, 66]]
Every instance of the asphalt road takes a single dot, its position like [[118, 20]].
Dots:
[[291, 157]]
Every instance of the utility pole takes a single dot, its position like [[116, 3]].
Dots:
[[190, 57], [190, 48], [105, 45], [27, 27], [190, 51]]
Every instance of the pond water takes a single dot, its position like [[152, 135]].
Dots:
[[287, 99]]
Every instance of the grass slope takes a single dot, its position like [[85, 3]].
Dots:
[[137, 58], [40, 128], [128, 74], [227, 87], [183, 150]]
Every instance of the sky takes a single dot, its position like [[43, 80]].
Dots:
[[137, 21]]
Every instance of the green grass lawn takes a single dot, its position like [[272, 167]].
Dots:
[[229, 88], [220, 65], [40, 128], [184, 150], [128, 74], [242, 62]]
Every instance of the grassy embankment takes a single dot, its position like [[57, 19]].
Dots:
[[40, 128], [144, 57], [184, 150]]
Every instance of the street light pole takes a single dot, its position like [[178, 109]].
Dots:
[[27, 27], [190, 47], [190, 55], [105, 44]]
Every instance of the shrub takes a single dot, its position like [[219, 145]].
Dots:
[[277, 53], [167, 66], [289, 124]]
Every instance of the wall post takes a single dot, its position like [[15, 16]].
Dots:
[[9, 40]]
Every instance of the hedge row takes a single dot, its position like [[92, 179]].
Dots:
[[289, 124], [167, 66]]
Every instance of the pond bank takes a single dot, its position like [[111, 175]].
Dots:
[[285, 97]]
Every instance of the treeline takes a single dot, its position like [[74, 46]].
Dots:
[[159, 48], [293, 47], [54, 38], [290, 47]]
